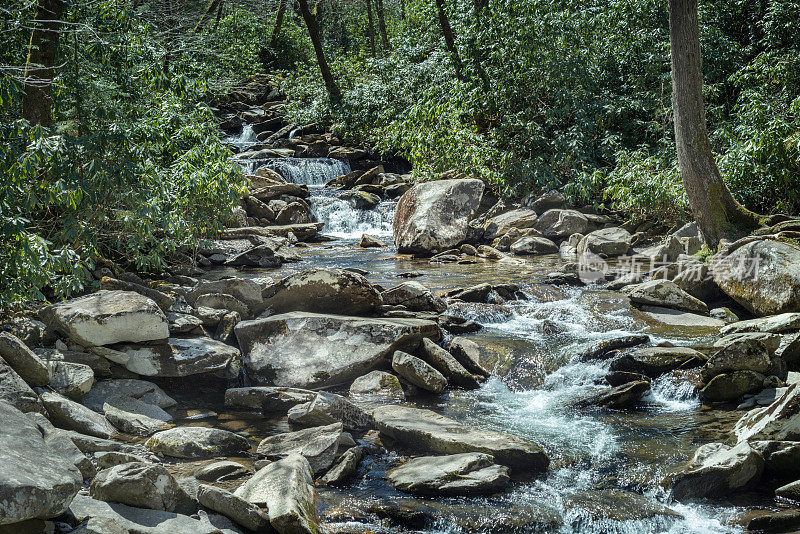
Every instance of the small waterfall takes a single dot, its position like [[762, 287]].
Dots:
[[344, 221], [243, 140], [309, 171]]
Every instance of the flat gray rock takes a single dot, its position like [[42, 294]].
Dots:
[[457, 474], [70, 415], [235, 508], [126, 387], [267, 399], [322, 291], [445, 363], [197, 442], [378, 384], [143, 485], [328, 408], [135, 417], [418, 372], [182, 357], [318, 445]]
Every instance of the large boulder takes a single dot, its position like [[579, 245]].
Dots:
[[559, 224], [127, 387], [286, 489], [14, 391], [135, 417], [533, 245], [717, 469], [471, 473], [144, 485], [322, 291], [776, 324], [731, 386], [36, 480], [241, 512], [318, 445], [378, 384], [748, 354], [70, 415], [414, 296], [267, 399], [445, 363], [434, 216], [612, 241], [418, 372], [197, 442], [763, 276], [245, 290], [498, 225], [23, 360], [108, 317], [427, 431], [301, 349], [666, 294], [328, 408], [655, 361], [778, 421], [182, 357]]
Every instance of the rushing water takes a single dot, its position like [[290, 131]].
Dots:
[[345, 221]]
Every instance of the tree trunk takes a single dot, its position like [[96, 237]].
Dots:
[[276, 30], [37, 103], [717, 213], [313, 32], [207, 14], [449, 39], [382, 25], [370, 27]]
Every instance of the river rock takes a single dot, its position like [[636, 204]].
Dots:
[[445, 363], [70, 415], [777, 324], [110, 459], [533, 245], [197, 442], [267, 399], [668, 295], [771, 341], [36, 481], [617, 398], [345, 468], [434, 216], [15, 392], [608, 347], [430, 432], [243, 289], [378, 383], [778, 421], [748, 354], [143, 485], [328, 408], [108, 317], [367, 241], [74, 380], [458, 474], [616, 505], [656, 361], [30, 367], [318, 445], [322, 291], [468, 354], [612, 241], [415, 297], [221, 471], [498, 225], [732, 386], [559, 223], [182, 357], [126, 387], [418, 372], [763, 276], [781, 458], [237, 509], [300, 349], [286, 489], [717, 469], [135, 417], [221, 301]]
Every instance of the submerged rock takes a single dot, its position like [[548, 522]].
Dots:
[[616, 505], [304, 350], [458, 474], [434, 216], [429, 432]]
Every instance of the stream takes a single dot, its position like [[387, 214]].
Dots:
[[531, 348]]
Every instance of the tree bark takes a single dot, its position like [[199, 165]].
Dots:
[[37, 103], [382, 25], [449, 39], [313, 32], [207, 14], [717, 213], [370, 27], [276, 30]]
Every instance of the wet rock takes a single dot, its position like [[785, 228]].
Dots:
[[197, 442], [744, 354], [345, 468], [418, 372], [619, 378], [263, 256], [322, 291], [245, 290], [498, 225], [781, 458], [23, 360], [789, 491], [182, 357], [301, 349], [318, 445], [458, 325], [70, 415], [668, 295], [295, 213], [775, 521], [15, 392], [36, 481], [771, 341], [328, 408], [656, 361], [414, 297], [429, 432], [617, 398], [763, 276], [616, 505], [468, 354], [458, 474], [717, 469], [142, 485], [729, 387], [477, 293], [135, 417], [447, 365], [604, 349], [238, 510], [612, 241], [778, 421], [777, 324], [367, 241], [286, 489], [108, 317], [126, 387], [533, 245], [378, 383], [267, 399], [559, 223], [434, 216], [74, 380], [221, 471]]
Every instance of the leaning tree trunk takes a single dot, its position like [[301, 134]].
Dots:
[[449, 39], [716, 211], [313, 32], [370, 28], [276, 30], [37, 102], [382, 25]]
